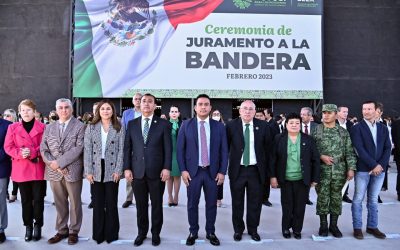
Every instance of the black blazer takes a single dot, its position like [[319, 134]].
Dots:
[[309, 158], [262, 146], [396, 140], [274, 127], [349, 124], [151, 158]]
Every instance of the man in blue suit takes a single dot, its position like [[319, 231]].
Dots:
[[372, 144], [202, 154]]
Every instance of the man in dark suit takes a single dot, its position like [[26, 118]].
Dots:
[[342, 114], [147, 164], [249, 142], [202, 155], [372, 144], [269, 118], [307, 127], [396, 153]]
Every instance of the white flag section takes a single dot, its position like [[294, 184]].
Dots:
[[122, 66]]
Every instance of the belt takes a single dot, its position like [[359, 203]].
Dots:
[[203, 167]]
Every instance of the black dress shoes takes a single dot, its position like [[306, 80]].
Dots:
[[155, 240], [267, 203], [2, 237], [213, 239], [191, 239], [379, 199], [286, 234], [28, 233], [255, 236], [37, 233], [237, 236], [139, 240], [297, 235], [309, 202]]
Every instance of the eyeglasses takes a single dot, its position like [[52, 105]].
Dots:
[[248, 109]]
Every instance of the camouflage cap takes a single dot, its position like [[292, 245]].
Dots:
[[329, 108]]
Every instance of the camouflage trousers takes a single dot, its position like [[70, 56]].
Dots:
[[329, 191]]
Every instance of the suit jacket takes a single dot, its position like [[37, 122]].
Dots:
[[396, 140], [148, 160], [313, 125], [31, 169], [309, 159], [188, 148], [128, 115], [67, 151], [349, 125], [114, 152], [370, 156], [262, 146], [5, 159], [274, 128]]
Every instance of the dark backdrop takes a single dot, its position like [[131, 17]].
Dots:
[[361, 54]]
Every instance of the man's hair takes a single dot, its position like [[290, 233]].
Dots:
[[379, 105], [292, 116], [68, 101], [340, 107], [270, 112], [149, 95], [202, 96], [310, 111], [373, 102]]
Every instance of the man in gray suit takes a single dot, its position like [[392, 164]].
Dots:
[[61, 149]]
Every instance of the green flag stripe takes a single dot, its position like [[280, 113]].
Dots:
[[85, 74]]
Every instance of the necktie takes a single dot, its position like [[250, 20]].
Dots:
[[246, 153], [203, 144], [306, 129], [62, 127], [145, 129]]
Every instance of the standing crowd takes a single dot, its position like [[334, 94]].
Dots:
[[256, 150]]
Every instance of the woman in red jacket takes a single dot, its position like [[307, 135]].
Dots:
[[22, 143]]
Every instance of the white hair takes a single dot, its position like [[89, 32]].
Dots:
[[68, 101]]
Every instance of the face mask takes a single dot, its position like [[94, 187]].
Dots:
[[216, 118]]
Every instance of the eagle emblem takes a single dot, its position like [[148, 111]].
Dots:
[[129, 21]]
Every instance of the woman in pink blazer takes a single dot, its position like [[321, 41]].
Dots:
[[22, 143]]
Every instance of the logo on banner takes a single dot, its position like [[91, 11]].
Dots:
[[129, 22], [242, 4]]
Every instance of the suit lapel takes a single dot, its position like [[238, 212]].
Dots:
[[257, 134], [110, 136], [195, 132], [67, 130], [366, 128], [22, 132], [239, 127], [153, 127]]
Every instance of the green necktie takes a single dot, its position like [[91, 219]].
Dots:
[[246, 153]]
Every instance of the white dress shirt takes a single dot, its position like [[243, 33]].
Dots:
[[143, 121]]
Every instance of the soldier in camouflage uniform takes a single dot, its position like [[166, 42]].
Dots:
[[338, 163]]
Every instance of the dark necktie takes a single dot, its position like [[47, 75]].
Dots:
[[145, 129], [203, 144], [246, 153], [62, 128], [306, 129]]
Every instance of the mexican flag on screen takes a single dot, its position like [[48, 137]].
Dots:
[[118, 42]]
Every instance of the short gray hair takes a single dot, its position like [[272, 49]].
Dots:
[[12, 113], [310, 111], [64, 100]]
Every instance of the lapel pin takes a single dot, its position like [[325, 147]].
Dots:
[[256, 128], [155, 121], [304, 143]]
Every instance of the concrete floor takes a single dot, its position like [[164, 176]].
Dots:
[[175, 229]]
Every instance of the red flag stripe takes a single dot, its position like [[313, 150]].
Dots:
[[181, 11]]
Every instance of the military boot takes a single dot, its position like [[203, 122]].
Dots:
[[323, 228], [333, 228]]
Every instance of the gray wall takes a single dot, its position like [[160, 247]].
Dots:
[[34, 45], [361, 54]]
